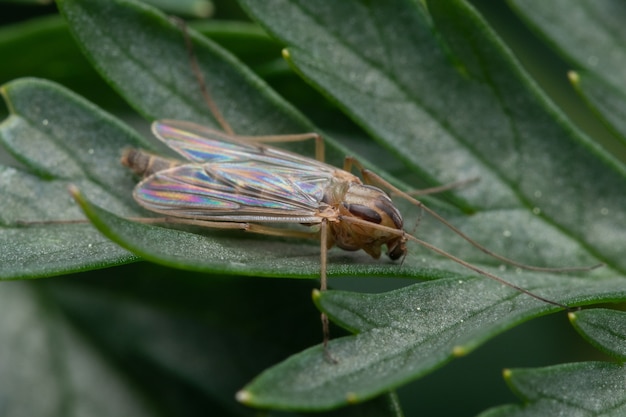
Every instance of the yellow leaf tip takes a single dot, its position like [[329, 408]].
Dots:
[[573, 76], [459, 351], [285, 53], [571, 316], [352, 398], [74, 191], [243, 396]]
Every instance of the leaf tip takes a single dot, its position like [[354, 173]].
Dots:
[[352, 398], [316, 294], [573, 77], [75, 193], [243, 396], [79, 198], [572, 316], [459, 351], [507, 374], [203, 10], [286, 54]]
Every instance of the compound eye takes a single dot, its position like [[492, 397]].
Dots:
[[364, 212]]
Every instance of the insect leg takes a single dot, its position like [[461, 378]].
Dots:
[[372, 178], [219, 117], [274, 231], [197, 73], [323, 287], [247, 227]]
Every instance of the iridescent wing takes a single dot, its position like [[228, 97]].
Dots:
[[233, 180], [200, 144]]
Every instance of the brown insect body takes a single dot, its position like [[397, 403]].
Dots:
[[345, 196]]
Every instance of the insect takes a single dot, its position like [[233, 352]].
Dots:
[[234, 182], [231, 182], [227, 181]]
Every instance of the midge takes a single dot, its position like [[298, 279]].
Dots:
[[227, 181], [231, 182]]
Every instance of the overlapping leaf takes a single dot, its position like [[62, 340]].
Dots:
[[590, 36], [500, 125], [578, 389], [62, 139], [401, 335], [605, 329], [43, 353]]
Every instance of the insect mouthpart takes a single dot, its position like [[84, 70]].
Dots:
[[396, 249]]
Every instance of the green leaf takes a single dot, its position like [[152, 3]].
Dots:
[[174, 343], [187, 340], [174, 94], [43, 352], [30, 36], [52, 54], [401, 335], [455, 111], [53, 132], [608, 103], [192, 8], [589, 35], [29, 2], [515, 222], [124, 53], [245, 40], [444, 104], [605, 329], [64, 140], [230, 252], [439, 92], [578, 389]]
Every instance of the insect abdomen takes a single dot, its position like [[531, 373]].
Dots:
[[145, 164]]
